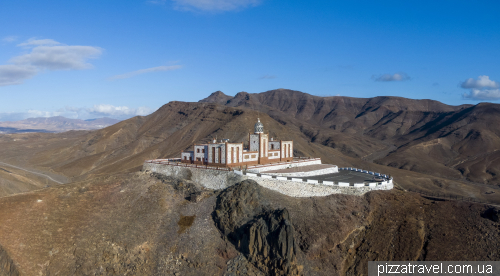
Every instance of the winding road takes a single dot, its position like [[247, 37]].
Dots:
[[41, 174]]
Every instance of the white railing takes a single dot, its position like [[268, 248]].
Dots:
[[315, 181], [177, 162]]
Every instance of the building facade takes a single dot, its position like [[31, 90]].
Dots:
[[261, 150]]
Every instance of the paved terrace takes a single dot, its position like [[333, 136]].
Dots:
[[303, 168], [344, 176]]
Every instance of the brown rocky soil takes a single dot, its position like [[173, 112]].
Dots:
[[142, 224], [112, 219]]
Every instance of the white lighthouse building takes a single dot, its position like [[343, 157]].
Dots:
[[261, 150]]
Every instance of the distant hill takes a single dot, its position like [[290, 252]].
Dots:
[[425, 144], [54, 124]]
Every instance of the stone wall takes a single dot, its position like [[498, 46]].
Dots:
[[274, 145], [334, 169], [296, 187], [212, 179], [304, 189], [254, 143]]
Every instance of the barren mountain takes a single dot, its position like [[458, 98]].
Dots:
[[341, 130], [54, 124], [456, 142], [112, 219]]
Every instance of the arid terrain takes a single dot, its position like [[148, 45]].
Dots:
[[77, 202], [54, 124]]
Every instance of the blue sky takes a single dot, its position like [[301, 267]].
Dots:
[[87, 59]]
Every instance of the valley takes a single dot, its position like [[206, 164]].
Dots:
[[111, 218]]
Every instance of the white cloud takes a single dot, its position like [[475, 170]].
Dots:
[[111, 110], [481, 82], [483, 94], [12, 74], [215, 5], [38, 42], [9, 39], [482, 89], [59, 57], [97, 111], [46, 54], [388, 77], [144, 71]]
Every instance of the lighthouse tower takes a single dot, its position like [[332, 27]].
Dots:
[[259, 127], [259, 142]]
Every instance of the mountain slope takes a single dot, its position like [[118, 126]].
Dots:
[[421, 148], [420, 135], [138, 224]]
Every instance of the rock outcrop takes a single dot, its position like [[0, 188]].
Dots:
[[7, 266], [264, 235]]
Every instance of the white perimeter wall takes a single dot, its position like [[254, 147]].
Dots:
[[333, 169], [215, 179], [285, 165]]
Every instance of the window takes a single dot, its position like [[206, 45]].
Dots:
[[198, 159], [198, 150], [275, 154], [247, 156], [202, 150], [272, 146], [253, 156]]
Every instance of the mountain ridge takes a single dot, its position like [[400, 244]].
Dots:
[[115, 219], [398, 122], [430, 149]]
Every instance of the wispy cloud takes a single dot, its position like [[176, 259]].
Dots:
[[267, 77], [12, 74], [214, 5], [9, 39], [395, 77], [157, 2], [97, 111], [38, 42], [46, 54], [144, 71], [482, 89]]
